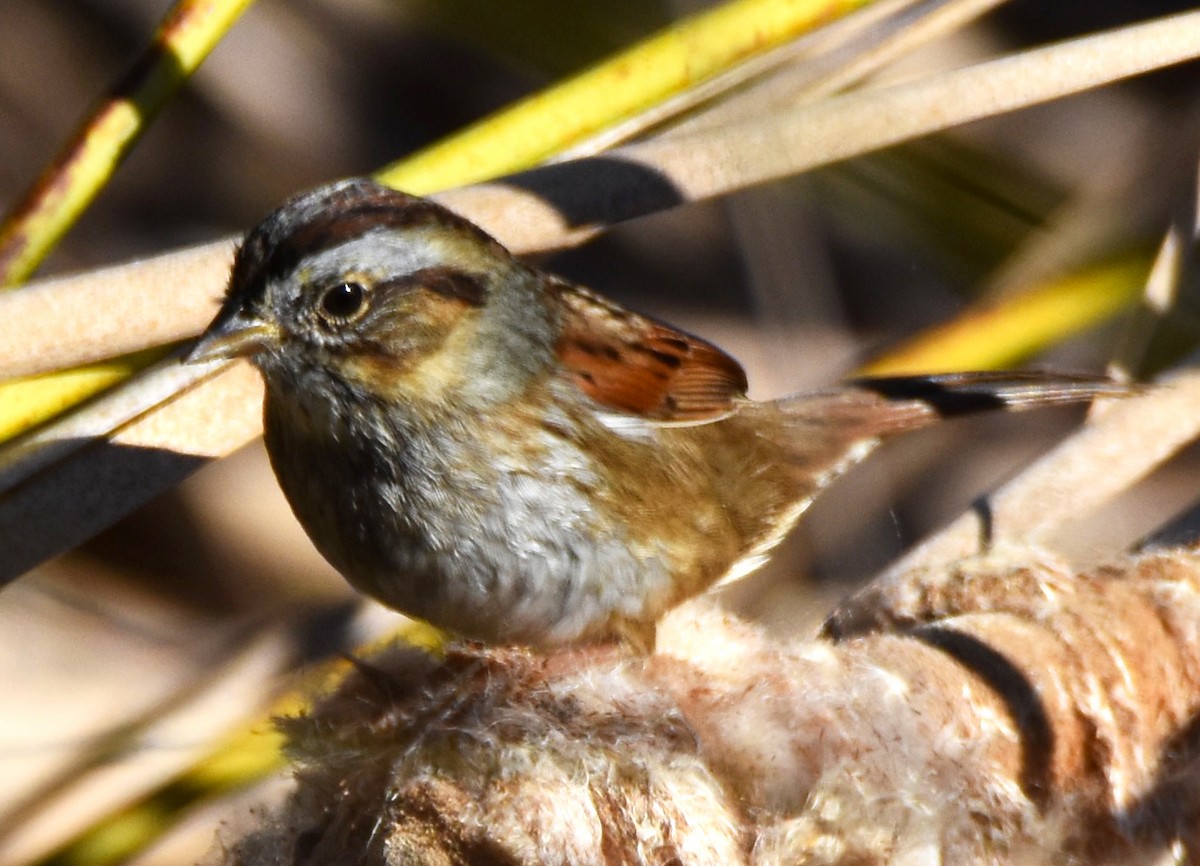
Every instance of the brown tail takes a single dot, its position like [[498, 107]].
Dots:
[[827, 431]]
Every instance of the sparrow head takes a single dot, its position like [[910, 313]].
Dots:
[[357, 286]]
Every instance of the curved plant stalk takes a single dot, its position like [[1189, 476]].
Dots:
[[35, 224], [50, 332], [190, 30], [669, 171], [1123, 442]]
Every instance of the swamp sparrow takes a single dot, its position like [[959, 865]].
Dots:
[[513, 458]]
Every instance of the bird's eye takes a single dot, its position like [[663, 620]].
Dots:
[[343, 303]]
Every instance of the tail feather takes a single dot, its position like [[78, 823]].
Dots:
[[951, 394], [837, 426]]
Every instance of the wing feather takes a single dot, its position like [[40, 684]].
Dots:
[[633, 364]]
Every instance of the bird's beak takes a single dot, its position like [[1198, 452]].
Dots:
[[233, 336]]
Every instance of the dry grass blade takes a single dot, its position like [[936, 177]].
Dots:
[[25, 403], [24, 457], [32, 342], [77, 481], [1124, 442], [65, 322]]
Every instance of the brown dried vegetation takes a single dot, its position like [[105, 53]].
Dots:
[[1011, 712]]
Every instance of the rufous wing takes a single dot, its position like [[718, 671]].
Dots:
[[633, 364]]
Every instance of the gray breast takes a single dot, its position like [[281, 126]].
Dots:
[[508, 548]]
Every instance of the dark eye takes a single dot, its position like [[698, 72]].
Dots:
[[343, 302]]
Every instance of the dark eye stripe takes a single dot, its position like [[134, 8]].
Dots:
[[446, 281]]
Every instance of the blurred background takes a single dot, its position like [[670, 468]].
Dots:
[[802, 280]]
